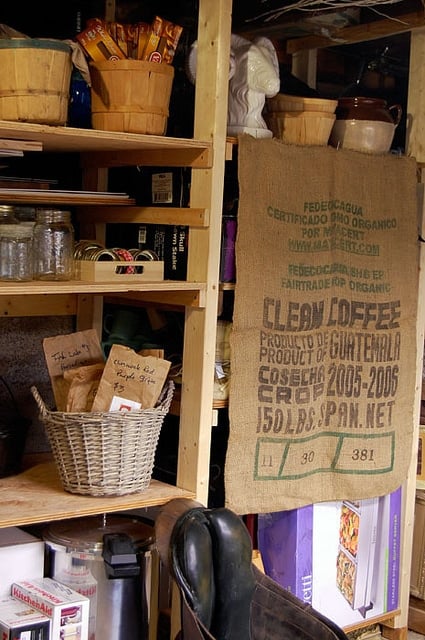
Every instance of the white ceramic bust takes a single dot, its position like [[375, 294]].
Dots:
[[255, 77]]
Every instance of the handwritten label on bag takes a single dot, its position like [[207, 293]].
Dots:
[[65, 352], [130, 378]]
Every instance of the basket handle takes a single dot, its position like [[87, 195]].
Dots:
[[166, 396], [39, 400]]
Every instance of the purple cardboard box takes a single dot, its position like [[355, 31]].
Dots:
[[285, 540], [394, 530], [300, 549]]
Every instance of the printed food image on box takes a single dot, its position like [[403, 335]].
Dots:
[[355, 569], [98, 44], [341, 557], [18, 621]]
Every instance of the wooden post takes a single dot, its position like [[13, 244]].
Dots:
[[415, 143], [212, 79]]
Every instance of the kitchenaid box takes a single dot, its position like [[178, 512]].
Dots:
[[18, 621], [21, 557], [346, 558], [67, 609]]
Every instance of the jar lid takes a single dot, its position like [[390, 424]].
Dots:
[[15, 231], [52, 215], [86, 534]]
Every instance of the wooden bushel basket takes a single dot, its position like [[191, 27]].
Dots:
[[35, 80], [301, 127], [131, 95]]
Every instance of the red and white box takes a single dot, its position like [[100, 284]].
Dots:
[[18, 621], [67, 609]]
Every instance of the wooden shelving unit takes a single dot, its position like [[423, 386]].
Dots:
[[36, 495]]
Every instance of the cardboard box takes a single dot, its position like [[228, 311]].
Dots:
[[170, 244], [67, 609], [98, 44], [349, 584], [21, 558], [283, 535], [20, 622], [229, 227]]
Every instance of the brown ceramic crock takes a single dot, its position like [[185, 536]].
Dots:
[[362, 108]]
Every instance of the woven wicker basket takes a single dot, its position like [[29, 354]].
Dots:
[[108, 453]]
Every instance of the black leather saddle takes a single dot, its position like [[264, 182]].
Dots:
[[224, 596]]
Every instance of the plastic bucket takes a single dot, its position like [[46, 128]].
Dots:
[[131, 95], [34, 80]]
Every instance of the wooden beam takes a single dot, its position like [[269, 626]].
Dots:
[[416, 97], [110, 10], [359, 33], [37, 305]]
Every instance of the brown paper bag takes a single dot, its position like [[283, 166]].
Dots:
[[84, 382], [65, 352], [130, 381]]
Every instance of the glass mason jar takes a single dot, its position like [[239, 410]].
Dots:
[[15, 253], [53, 245]]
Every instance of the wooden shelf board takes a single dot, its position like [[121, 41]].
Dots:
[[13, 306], [193, 217], [70, 139], [381, 619], [40, 196], [196, 157], [175, 300], [49, 302], [39, 287], [36, 496]]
